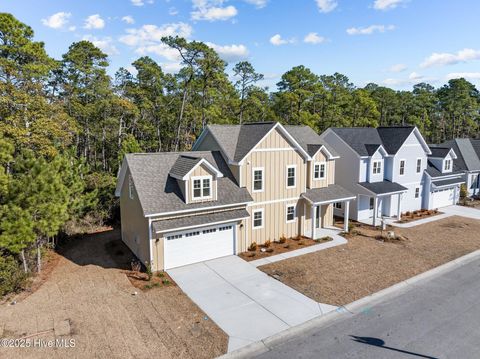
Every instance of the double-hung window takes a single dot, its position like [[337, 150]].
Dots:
[[202, 187], [402, 167], [290, 213], [257, 180], [258, 218], [377, 167], [448, 165], [419, 165], [417, 192], [291, 176], [319, 170]]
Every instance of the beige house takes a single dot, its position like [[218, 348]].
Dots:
[[240, 184]]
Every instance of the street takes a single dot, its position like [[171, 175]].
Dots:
[[439, 318]]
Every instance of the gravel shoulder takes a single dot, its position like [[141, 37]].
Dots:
[[89, 298], [365, 265]]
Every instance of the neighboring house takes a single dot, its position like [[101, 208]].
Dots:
[[467, 161], [442, 182], [386, 168], [240, 184]]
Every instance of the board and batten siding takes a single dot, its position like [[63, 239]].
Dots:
[[330, 177]]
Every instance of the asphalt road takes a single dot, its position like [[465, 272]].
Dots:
[[438, 318]]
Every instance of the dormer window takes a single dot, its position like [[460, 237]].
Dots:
[[202, 187], [377, 167], [319, 170], [447, 165]]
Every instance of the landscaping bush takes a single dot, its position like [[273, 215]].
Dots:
[[282, 239], [253, 246], [12, 277], [407, 213], [267, 243]]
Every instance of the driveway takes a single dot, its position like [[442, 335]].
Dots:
[[462, 211], [435, 319], [245, 302]]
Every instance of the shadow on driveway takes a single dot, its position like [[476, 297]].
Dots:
[[377, 342]]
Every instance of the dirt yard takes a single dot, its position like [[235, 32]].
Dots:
[[88, 298], [365, 265]]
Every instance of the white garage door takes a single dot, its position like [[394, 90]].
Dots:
[[197, 245], [443, 198]]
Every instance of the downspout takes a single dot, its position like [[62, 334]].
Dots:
[[150, 241]]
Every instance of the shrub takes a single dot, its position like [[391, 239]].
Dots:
[[253, 246], [463, 191], [160, 275], [282, 239], [407, 213], [12, 277], [268, 243], [165, 281], [136, 266], [350, 226], [148, 270]]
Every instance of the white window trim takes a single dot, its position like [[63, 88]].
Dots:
[[294, 178], [253, 218], [380, 166], [253, 179], [400, 167], [294, 212], [201, 178], [447, 160], [421, 165], [324, 172], [415, 193]]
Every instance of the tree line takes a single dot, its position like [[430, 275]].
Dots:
[[65, 125]]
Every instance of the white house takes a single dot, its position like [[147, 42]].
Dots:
[[387, 168]]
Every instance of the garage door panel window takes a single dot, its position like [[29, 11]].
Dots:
[[202, 187], [175, 236], [258, 219]]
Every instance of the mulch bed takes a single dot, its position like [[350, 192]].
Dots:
[[140, 280], [365, 265], [416, 215], [290, 244]]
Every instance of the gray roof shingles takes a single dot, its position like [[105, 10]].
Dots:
[[198, 220], [364, 139], [383, 187], [467, 156], [440, 152], [159, 192], [183, 165], [447, 182], [327, 194]]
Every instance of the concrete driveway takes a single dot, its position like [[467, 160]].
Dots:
[[245, 302], [463, 211]]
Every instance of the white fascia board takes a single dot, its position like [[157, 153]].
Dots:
[[197, 209], [208, 164], [121, 177]]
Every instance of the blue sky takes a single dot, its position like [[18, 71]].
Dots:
[[395, 43]]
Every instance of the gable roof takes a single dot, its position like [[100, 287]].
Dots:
[[440, 152], [434, 172], [237, 141], [467, 154], [185, 164], [159, 192], [309, 140], [366, 140]]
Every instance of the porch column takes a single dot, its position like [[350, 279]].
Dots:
[[313, 221], [375, 209], [345, 216], [399, 208]]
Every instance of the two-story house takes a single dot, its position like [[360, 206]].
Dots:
[[384, 166], [240, 184], [468, 161]]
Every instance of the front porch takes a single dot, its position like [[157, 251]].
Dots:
[[319, 210]]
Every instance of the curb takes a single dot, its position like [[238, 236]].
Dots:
[[264, 345]]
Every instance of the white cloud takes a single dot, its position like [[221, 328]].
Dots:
[[230, 53], [212, 10], [445, 58], [398, 68], [140, 2], [57, 21], [94, 22], [128, 19], [465, 75], [105, 44], [148, 39], [326, 5], [369, 30], [258, 3], [387, 4], [412, 79], [171, 67], [313, 38], [172, 11], [277, 40]]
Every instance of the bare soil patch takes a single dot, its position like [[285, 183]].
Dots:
[[365, 265], [274, 248], [89, 297]]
